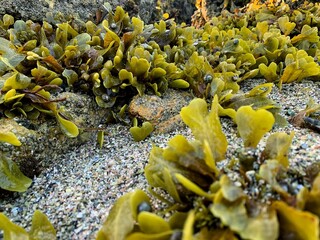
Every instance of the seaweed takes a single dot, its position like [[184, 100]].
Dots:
[[277, 147], [12, 178], [119, 57], [9, 137], [309, 198], [187, 171], [291, 220], [249, 124], [41, 228], [201, 123], [140, 133], [285, 25], [122, 217], [299, 65], [229, 205], [100, 138]]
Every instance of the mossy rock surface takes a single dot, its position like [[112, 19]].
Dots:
[[42, 140], [148, 10]]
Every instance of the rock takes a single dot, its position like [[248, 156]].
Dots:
[[82, 109], [148, 10], [42, 140], [22, 155], [162, 112], [36, 10]]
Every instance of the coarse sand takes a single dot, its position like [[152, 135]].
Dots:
[[77, 192]]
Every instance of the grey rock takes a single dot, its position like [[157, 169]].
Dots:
[[42, 140], [148, 10], [36, 10]]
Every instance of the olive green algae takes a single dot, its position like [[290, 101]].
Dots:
[[78, 191], [121, 57]]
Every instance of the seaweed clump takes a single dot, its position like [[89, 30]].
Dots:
[[120, 57], [204, 200]]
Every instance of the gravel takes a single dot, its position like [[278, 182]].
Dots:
[[77, 192]]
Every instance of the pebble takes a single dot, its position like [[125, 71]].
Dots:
[[16, 210], [251, 175], [304, 146], [79, 189], [80, 215]]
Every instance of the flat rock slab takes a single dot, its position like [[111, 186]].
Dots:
[[162, 112]]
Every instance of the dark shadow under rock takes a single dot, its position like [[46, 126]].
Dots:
[[44, 142]]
